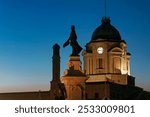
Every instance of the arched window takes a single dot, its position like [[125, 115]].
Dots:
[[117, 65]]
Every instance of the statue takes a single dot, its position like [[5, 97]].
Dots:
[[76, 48]]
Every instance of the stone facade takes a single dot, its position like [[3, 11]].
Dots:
[[74, 79]]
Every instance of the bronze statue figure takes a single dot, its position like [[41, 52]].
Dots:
[[76, 48]]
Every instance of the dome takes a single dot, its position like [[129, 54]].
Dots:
[[106, 31]]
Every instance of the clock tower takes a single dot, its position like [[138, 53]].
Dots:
[[106, 57], [106, 72]]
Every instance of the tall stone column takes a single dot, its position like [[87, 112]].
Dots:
[[56, 88], [56, 62]]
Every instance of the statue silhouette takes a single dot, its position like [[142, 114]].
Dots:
[[76, 48]]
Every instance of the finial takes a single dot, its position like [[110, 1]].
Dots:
[[56, 49], [56, 46], [106, 20]]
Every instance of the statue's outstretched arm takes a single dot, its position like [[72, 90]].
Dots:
[[66, 43]]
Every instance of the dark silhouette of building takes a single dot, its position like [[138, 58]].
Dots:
[[105, 75], [58, 89]]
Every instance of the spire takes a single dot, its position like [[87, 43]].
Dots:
[[105, 19], [105, 8]]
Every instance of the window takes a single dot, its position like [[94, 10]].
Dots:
[[100, 63], [117, 65]]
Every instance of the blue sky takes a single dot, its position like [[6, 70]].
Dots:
[[29, 28]]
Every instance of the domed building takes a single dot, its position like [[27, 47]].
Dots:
[[106, 31], [107, 64], [105, 73]]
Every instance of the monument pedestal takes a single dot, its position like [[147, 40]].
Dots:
[[74, 79]]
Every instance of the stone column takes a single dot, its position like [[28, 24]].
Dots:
[[56, 62], [56, 87]]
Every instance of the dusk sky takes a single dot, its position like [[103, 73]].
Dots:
[[29, 29]]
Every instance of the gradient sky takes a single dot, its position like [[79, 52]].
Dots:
[[29, 29]]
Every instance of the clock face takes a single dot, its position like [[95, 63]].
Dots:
[[100, 50]]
